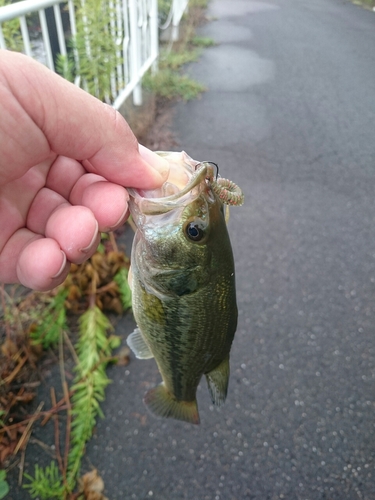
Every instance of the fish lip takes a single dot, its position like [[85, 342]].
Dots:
[[150, 205]]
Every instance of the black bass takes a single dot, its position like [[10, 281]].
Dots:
[[183, 284]]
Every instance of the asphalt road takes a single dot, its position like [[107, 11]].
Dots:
[[289, 116]]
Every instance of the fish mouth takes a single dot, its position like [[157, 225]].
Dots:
[[185, 183]]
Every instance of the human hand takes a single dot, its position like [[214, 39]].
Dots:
[[64, 159]]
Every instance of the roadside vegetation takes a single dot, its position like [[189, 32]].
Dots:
[[69, 323], [170, 82], [369, 4], [71, 327]]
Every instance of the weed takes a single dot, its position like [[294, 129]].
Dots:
[[4, 488], [93, 350], [164, 7], [203, 41], [101, 281], [174, 60], [47, 483], [121, 278], [367, 4], [94, 58], [202, 4], [168, 82], [171, 85], [11, 32], [51, 322]]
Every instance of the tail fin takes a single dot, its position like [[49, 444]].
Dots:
[[162, 404]]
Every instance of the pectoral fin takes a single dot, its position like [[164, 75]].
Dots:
[[138, 345], [217, 381], [162, 404]]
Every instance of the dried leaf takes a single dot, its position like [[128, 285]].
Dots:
[[9, 348], [75, 293], [92, 486], [26, 397], [115, 305], [123, 356]]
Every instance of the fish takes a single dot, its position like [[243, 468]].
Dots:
[[183, 285]]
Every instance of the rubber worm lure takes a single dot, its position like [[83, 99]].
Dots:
[[228, 192]]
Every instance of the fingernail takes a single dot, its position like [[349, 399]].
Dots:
[[62, 268], [120, 222], [94, 238], [157, 162]]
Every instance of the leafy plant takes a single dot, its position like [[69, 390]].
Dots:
[[168, 82], [4, 487], [203, 41], [52, 322], [164, 7], [65, 67], [171, 85], [47, 483], [202, 4], [11, 31], [93, 350], [94, 47], [121, 279], [174, 60], [100, 282]]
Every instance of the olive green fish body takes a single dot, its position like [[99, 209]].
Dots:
[[184, 301]]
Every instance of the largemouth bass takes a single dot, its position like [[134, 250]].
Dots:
[[183, 284]]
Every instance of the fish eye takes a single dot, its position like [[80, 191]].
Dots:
[[194, 231]]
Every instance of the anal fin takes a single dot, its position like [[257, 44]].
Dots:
[[138, 345], [217, 381], [162, 404]]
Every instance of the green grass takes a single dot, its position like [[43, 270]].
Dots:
[[170, 85], [198, 3], [11, 31], [175, 60], [365, 3], [169, 82], [203, 41]]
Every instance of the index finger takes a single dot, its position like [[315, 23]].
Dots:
[[48, 115]]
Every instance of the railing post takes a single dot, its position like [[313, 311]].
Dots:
[[46, 39], [25, 36], [135, 62], [175, 20], [134, 27], [2, 40], [154, 34]]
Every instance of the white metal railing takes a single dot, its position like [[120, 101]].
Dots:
[[134, 27], [24, 9], [174, 17]]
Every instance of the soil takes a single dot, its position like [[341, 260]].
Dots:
[[159, 136]]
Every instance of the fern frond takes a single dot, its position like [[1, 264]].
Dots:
[[52, 322], [46, 484], [89, 384]]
